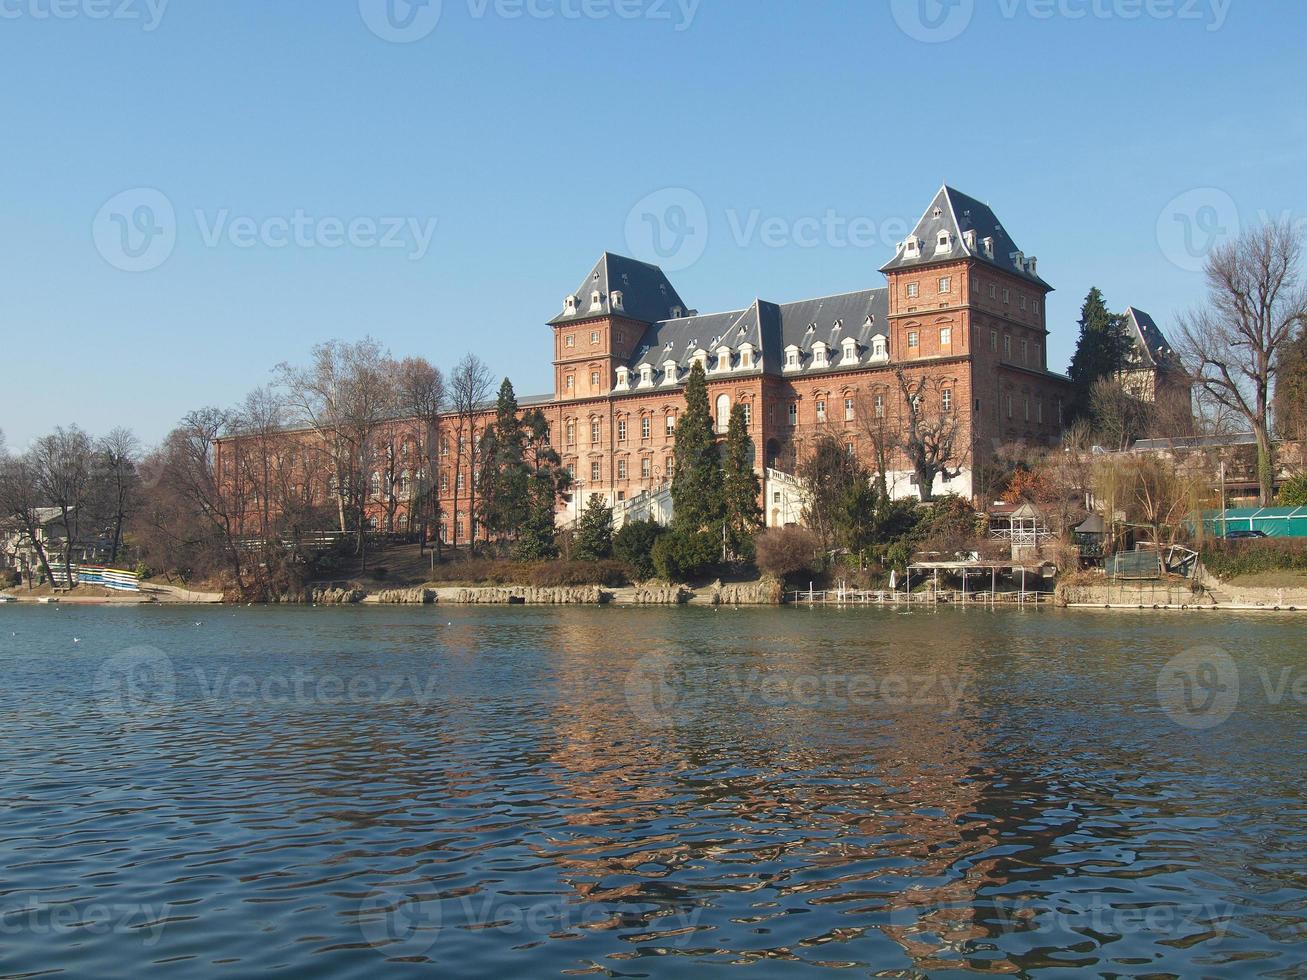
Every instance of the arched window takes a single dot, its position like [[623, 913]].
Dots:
[[723, 412]]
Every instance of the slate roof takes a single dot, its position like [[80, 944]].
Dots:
[[770, 328], [957, 213], [1153, 347], [647, 295]]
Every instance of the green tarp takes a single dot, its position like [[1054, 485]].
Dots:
[[1274, 522]]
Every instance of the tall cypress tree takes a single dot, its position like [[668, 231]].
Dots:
[[694, 543], [1102, 350], [697, 479], [740, 487], [504, 481]]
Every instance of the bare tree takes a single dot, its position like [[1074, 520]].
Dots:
[[1232, 345], [63, 464], [871, 411], [21, 503], [1119, 417], [422, 397], [345, 395], [928, 433], [469, 389], [117, 483]]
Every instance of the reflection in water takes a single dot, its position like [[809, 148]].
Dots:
[[642, 793]]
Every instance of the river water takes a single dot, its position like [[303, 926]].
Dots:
[[650, 793]]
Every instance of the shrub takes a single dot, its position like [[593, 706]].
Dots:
[[1230, 559], [786, 551], [542, 574], [634, 544], [680, 556], [1294, 492], [594, 531]]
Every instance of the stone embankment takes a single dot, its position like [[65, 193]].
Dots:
[[403, 597], [525, 595]]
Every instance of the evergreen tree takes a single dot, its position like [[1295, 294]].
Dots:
[[634, 544], [1291, 389], [535, 539], [1102, 351], [594, 531], [695, 541], [740, 487], [504, 480]]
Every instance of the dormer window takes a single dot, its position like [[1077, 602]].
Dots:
[[669, 372], [969, 237], [569, 305], [879, 351], [819, 355], [910, 246], [723, 358], [938, 212], [944, 243], [791, 358], [596, 301], [746, 355], [623, 379], [850, 351], [646, 375], [677, 312], [988, 245], [700, 357], [615, 298]]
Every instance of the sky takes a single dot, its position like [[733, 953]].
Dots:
[[198, 190]]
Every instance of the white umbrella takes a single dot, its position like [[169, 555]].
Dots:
[[893, 580]]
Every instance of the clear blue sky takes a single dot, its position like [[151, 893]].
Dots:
[[530, 139]]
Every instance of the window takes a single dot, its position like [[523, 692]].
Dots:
[[848, 410], [821, 410], [1021, 302], [646, 467], [792, 357], [946, 336], [1007, 296], [646, 375], [819, 355], [723, 412], [621, 430], [444, 483], [444, 445], [1039, 411], [748, 413], [570, 383], [458, 484], [671, 425], [878, 347], [914, 339], [1009, 406], [946, 400], [993, 340], [646, 427], [571, 470], [746, 357], [1025, 351], [993, 291], [621, 469], [594, 472], [594, 336], [594, 432], [880, 406], [723, 360], [571, 433], [914, 290], [1035, 304], [1027, 407], [1007, 345], [794, 413], [946, 284], [594, 379], [776, 497], [570, 341]]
